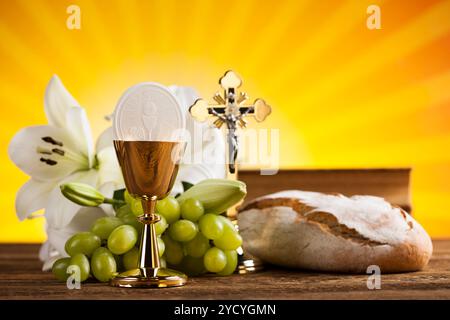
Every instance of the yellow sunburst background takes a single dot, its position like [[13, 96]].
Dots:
[[342, 95]]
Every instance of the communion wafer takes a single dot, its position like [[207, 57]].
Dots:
[[148, 112]]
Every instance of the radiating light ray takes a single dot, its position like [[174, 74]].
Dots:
[[55, 35], [99, 33], [281, 21], [437, 216], [233, 25], [14, 97], [436, 23], [420, 95], [163, 17], [131, 28], [196, 29], [433, 176], [419, 151], [347, 17], [22, 55]]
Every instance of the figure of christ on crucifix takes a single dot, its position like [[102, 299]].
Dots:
[[230, 109]]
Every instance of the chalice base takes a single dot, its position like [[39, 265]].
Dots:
[[248, 263], [149, 278]]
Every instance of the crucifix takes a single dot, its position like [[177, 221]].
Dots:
[[230, 109]]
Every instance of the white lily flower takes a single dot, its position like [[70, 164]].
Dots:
[[205, 140], [62, 151]]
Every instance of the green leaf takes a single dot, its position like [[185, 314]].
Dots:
[[186, 185], [118, 195]]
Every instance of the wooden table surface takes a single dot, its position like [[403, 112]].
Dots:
[[21, 278]]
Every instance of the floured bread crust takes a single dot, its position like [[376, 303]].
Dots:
[[331, 232]]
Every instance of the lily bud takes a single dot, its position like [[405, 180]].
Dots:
[[82, 194], [216, 195]]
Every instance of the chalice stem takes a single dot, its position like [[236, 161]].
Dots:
[[149, 251]]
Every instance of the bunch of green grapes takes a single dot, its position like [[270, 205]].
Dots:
[[189, 240]]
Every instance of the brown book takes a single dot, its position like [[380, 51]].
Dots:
[[390, 184]]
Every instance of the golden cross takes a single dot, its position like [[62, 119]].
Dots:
[[230, 104], [230, 109]]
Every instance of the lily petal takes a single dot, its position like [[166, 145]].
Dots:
[[195, 173], [60, 211], [57, 238], [78, 126], [82, 221], [48, 262], [109, 168], [29, 152], [205, 160], [57, 102], [104, 140], [186, 96], [32, 196], [44, 251], [49, 255]]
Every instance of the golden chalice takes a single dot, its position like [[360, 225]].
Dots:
[[146, 123]]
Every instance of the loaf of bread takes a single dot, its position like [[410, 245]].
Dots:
[[332, 232]]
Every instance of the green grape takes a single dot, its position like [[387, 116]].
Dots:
[[131, 220], [83, 242], [123, 211], [161, 246], [161, 225], [103, 265], [215, 260], [131, 259], [231, 236], [183, 230], [127, 197], [59, 268], [138, 226], [191, 209], [82, 262], [197, 247], [193, 266], [122, 239], [169, 208], [232, 260], [230, 239], [136, 207], [211, 226], [163, 263], [103, 226], [227, 222], [173, 251]]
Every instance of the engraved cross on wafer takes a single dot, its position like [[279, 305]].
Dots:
[[230, 108]]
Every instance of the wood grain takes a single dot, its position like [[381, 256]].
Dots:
[[21, 278]]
